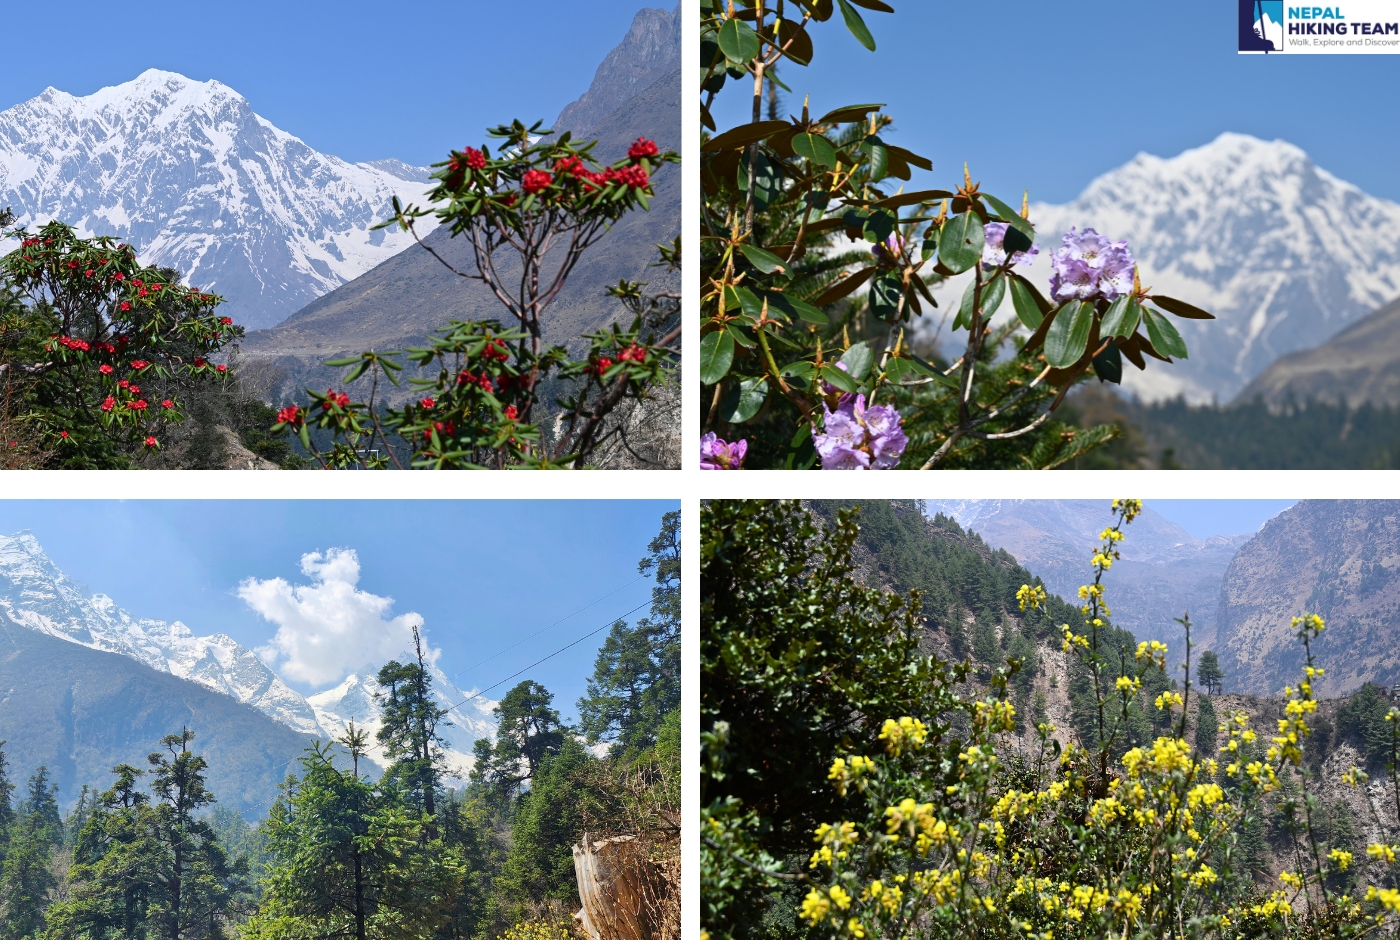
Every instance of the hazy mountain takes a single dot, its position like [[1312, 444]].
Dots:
[[1164, 571], [1283, 252], [36, 595], [408, 296], [1337, 558], [1360, 364], [80, 712], [191, 176]]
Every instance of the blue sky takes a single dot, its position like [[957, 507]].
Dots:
[[1050, 95], [483, 575], [1206, 517], [357, 79]]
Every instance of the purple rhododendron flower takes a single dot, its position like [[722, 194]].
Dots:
[[1088, 265], [889, 251], [715, 454], [994, 248], [860, 438]]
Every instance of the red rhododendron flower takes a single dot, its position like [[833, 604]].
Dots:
[[221, 368], [289, 415], [604, 364], [427, 403], [120, 276], [511, 412], [634, 176], [167, 403], [88, 273], [150, 442], [72, 264], [199, 361], [142, 292], [134, 389], [105, 369], [126, 305], [535, 180], [63, 434], [108, 402], [226, 321], [139, 364], [475, 158], [642, 148], [123, 383]]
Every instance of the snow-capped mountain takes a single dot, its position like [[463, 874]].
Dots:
[[187, 173], [36, 595], [1284, 253]]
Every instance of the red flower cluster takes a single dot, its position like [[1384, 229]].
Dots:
[[105, 369], [199, 362], [446, 428], [139, 364], [602, 365], [571, 166], [28, 242], [633, 353], [495, 349], [142, 292], [642, 148], [108, 402], [119, 276], [475, 158], [511, 413], [332, 398], [124, 383], [226, 321], [289, 415], [69, 342], [633, 176], [427, 403], [125, 305], [465, 377], [72, 264], [134, 389], [535, 180], [106, 346], [221, 368], [150, 442], [137, 405], [167, 404]]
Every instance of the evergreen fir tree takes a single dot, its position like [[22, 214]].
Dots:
[[1209, 672], [408, 727], [1207, 727], [25, 878], [527, 731], [41, 807]]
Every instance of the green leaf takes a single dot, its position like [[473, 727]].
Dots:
[[741, 299], [336, 363], [743, 399], [879, 225], [767, 180], [765, 261], [357, 371], [858, 359], [738, 41], [993, 292], [1181, 308], [874, 5], [816, 148], [739, 336], [1122, 317], [1015, 241], [745, 134], [1022, 298], [1008, 214], [796, 308], [716, 356], [1108, 365], [855, 24], [960, 242], [879, 157], [1068, 335], [884, 295], [1165, 339], [839, 379]]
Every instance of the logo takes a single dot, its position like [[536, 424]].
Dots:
[[1261, 25]]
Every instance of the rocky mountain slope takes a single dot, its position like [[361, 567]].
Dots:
[[1163, 572], [410, 295], [191, 176], [81, 711], [37, 596], [1360, 364], [1283, 252], [1337, 558]]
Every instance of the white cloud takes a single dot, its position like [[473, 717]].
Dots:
[[327, 628]]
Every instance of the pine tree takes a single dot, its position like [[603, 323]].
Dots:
[[408, 726], [636, 676], [1209, 672], [1207, 727], [351, 859], [7, 810], [25, 878], [41, 806], [527, 731]]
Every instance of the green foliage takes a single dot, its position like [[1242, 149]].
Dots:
[[351, 859], [528, 732], [409, 719], [1362, 722], [636, 677], [25, 878], [1207, 725], [40, 807], [1209, 672]]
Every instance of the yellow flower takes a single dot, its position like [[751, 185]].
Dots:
[[840, 897], [815, 906], [1343, 859], [1389, 897], [1292, 880], [855, 928], [1032, 597], [1381, 852]]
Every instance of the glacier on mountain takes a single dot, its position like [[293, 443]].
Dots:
[[191, 176], [36, 595], [1283, 252]]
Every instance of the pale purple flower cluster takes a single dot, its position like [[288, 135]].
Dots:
[[890, 251], [1089, 266], [715, 454], [994, 247], [860, 438]]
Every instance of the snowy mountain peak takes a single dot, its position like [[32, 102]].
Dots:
[[1283, 252], [191, 176], [36, 595]]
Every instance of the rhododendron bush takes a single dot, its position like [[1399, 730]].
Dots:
[[816, 274], [542, 201], [96, 349], [935, 813]]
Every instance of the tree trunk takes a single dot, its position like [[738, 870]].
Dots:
[[625, 895]]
